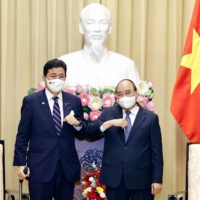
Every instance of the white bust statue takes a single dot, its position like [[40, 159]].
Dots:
[[94, 65]]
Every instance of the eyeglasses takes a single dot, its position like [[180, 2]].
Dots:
[[127, 94]]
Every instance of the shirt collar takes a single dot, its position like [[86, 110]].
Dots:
[[133, 111], [49, 95], [88, 58]]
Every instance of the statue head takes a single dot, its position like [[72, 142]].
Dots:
[[95, 24]]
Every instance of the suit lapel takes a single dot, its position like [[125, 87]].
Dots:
[[140, 117], [46, 109], [67, 107], [66, 104], [117, 115]]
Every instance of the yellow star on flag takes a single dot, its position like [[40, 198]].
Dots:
[[192, 61]]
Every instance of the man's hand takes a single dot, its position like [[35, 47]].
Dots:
[[21, 174], [115, 122], [120, 123], [156, 188], [70, 119]]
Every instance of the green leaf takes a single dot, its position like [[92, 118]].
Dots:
[[93, 90], [86, 109], [31, 91], [110, 89]]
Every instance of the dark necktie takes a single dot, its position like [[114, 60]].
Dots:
[[56, 115], [128, 128]]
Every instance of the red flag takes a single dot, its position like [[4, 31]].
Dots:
[[185, 104]]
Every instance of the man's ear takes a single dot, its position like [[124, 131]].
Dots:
[[110, 28], [44, 79], [136, 94], [81, 28]]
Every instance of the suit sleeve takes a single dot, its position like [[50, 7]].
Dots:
[[23, 135], [93, 128], [157, 155], [81, 131]]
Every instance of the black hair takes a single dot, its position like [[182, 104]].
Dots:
[[135, 88], [54, 63]]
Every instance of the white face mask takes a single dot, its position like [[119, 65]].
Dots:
[[127, 102], [55, 85]]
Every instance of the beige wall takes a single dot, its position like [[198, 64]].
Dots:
[[151, 32]]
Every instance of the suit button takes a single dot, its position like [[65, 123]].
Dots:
[[125, 148], [122, 160]]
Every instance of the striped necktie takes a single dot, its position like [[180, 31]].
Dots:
[[128, 128], [56, 115]]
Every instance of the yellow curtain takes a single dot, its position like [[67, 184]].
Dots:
[[152, 33]]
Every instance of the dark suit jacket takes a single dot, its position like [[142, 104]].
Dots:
[[140, 160], [37, 130]]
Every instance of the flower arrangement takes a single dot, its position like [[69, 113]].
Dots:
[[91, 187], [93, 100], [145, 95]]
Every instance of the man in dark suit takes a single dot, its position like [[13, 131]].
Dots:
[[132, 164], [52, 158]]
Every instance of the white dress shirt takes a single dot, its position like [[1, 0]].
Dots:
[[132, 115], [60, 102]]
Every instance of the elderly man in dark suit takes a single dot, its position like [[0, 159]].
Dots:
[[52, 158], [132, 164]]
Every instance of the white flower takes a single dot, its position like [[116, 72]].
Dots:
[[85, 191], [102, 195], [84, 195], [91, 179], [143, 88], [95, 103], [89, 189]]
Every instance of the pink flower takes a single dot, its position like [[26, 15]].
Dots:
[[86, 116], [96, 94], [41, 86], [85, 99], [108, 100], [142, 101], [79, 88], [150, 106], [94, 114], [70, 91]]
